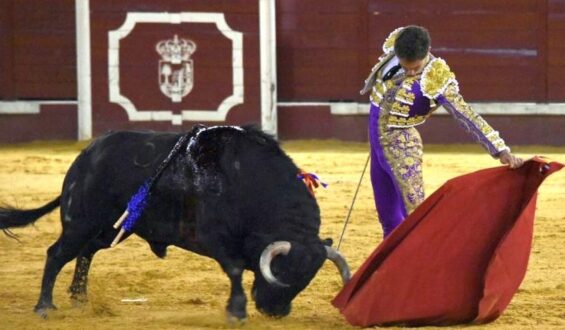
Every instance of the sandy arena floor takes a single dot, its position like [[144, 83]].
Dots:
[[189, 291]]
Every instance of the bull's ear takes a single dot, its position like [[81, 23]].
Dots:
[[196, 128], [328, 242], [258, 136], [259, 139]]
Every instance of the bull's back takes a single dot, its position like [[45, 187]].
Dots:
[[111, 169], [137, 149]]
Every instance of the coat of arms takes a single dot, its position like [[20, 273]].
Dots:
[[176, 68]]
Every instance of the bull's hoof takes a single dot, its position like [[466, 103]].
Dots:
[[234, 320], [236, 311], [79, 300], [43, 310], [160, 249]]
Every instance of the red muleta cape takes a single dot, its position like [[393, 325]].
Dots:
[[458, 258]]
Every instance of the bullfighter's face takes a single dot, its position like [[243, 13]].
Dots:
[[414, 67]]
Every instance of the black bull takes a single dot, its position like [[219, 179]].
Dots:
[[230, 194]]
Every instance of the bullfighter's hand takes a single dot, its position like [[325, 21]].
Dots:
[[507, 158]]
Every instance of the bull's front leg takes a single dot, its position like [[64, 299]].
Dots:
[[236, 309], [233, 267], [220, 244]]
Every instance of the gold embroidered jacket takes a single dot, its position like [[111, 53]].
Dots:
[[410, 100]]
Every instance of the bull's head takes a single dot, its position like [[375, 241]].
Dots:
[[286, 269]]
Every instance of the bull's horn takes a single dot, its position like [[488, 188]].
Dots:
[[340, 262], [272, 250]]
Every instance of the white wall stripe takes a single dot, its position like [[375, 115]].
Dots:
[[28, 107], [491, 108], [19, 108], [82, 9], [268, 60]]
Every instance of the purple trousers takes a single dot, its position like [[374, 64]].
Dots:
[[396, 170]]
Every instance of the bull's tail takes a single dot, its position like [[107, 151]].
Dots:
[[11, 217]]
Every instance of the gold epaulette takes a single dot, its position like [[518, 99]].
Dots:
[[436, 77], [388, 45], [373, 76]]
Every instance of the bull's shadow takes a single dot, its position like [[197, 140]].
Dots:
[[229, 193]]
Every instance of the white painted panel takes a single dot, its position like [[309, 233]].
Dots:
[[135, 114]]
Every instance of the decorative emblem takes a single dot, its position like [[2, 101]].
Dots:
[[176, 68]]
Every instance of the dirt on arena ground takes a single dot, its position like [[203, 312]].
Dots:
[[187, 291]]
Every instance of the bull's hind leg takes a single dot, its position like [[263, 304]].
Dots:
[[63, 251], [80, 279], [78, 288]]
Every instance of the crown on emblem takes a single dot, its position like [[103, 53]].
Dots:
[[175, 50]]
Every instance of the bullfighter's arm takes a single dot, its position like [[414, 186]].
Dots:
[[439, 84]]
